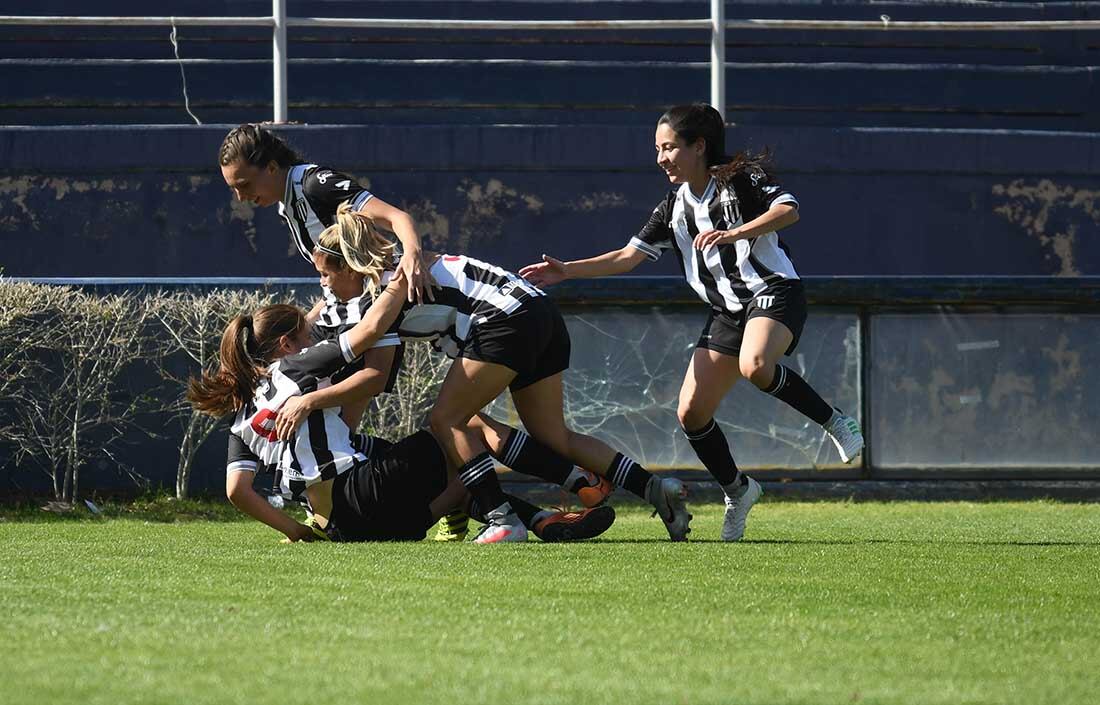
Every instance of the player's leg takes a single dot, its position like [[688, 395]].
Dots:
[[540, 408], [469, 386], [517, 450], [712, 372], [766, 341]]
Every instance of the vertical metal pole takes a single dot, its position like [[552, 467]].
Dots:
[[718, 56], [278, 60]]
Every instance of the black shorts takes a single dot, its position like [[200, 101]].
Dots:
[[784, 302], [533, 341], [386, 498]]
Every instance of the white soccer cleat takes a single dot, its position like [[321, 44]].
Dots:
[[502, 528], [846, 435], [667, 497], [737, 511]]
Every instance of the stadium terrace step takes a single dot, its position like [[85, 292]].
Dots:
[[1041, 97]]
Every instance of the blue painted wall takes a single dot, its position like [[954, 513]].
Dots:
[[1021, 80], [150, 201]]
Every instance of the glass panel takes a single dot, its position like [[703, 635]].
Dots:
[[957, 390], [628, 363]]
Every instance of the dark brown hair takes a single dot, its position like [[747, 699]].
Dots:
[[701, 121], [258, 146], [248, 345]]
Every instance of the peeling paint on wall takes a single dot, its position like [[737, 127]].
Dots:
[[245, 212], [14, 190], [434, 227], [482, 220], [1041, 210], [598, 201]]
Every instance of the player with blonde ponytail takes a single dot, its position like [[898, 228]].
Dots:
[[503, 333], [358, 488]]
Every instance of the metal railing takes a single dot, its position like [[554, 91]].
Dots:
[[716, 24]]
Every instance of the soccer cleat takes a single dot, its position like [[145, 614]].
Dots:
[[502, 528], [737, 510], [667, 497], [846, 435], [592, 490], [575, 526], [454, 526]]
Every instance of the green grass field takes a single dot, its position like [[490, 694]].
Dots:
[[823, 603]]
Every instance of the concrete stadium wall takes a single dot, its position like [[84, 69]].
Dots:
[[1012, 80], [150, 201]]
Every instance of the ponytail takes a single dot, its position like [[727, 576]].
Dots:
[[364, 249], [248, 344], [756, 164]]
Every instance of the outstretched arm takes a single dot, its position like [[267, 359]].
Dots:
[[551, 271], [238, 488], [380, 316]]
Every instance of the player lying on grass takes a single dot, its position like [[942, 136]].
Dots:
[[502, 333], [370, 491]]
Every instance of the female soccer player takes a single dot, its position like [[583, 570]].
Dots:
[[721, 221], [260, 167], [355, 493], [350, 297], [503, 333]]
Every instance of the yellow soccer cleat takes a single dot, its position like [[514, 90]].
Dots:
[[453, 527]]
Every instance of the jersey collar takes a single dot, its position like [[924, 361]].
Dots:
[[708, 192]]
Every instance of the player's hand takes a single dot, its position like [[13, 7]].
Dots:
[[548, 272], [291, 415], [300, 532], [714, 237], [415, 268]]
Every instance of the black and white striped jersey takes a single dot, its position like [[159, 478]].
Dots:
[[337, 315], [322, 447], [469, 293], [313, 193], [725, 276]]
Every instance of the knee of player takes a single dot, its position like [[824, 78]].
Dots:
[[756, 370], [443, 424], [689, 418]]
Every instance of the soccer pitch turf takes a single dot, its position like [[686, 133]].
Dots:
[[829, 602]]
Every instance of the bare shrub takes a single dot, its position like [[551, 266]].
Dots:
[[75, 406]]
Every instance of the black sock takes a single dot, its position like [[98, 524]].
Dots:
[[480, 478], [794, 390], [526, 455], [710, 445], [624, 472], [526, 511]]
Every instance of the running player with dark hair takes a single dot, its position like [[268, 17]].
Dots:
[[721, 221], [356, 492], [503, 333]]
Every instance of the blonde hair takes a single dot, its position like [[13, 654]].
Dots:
[[365, 249]]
